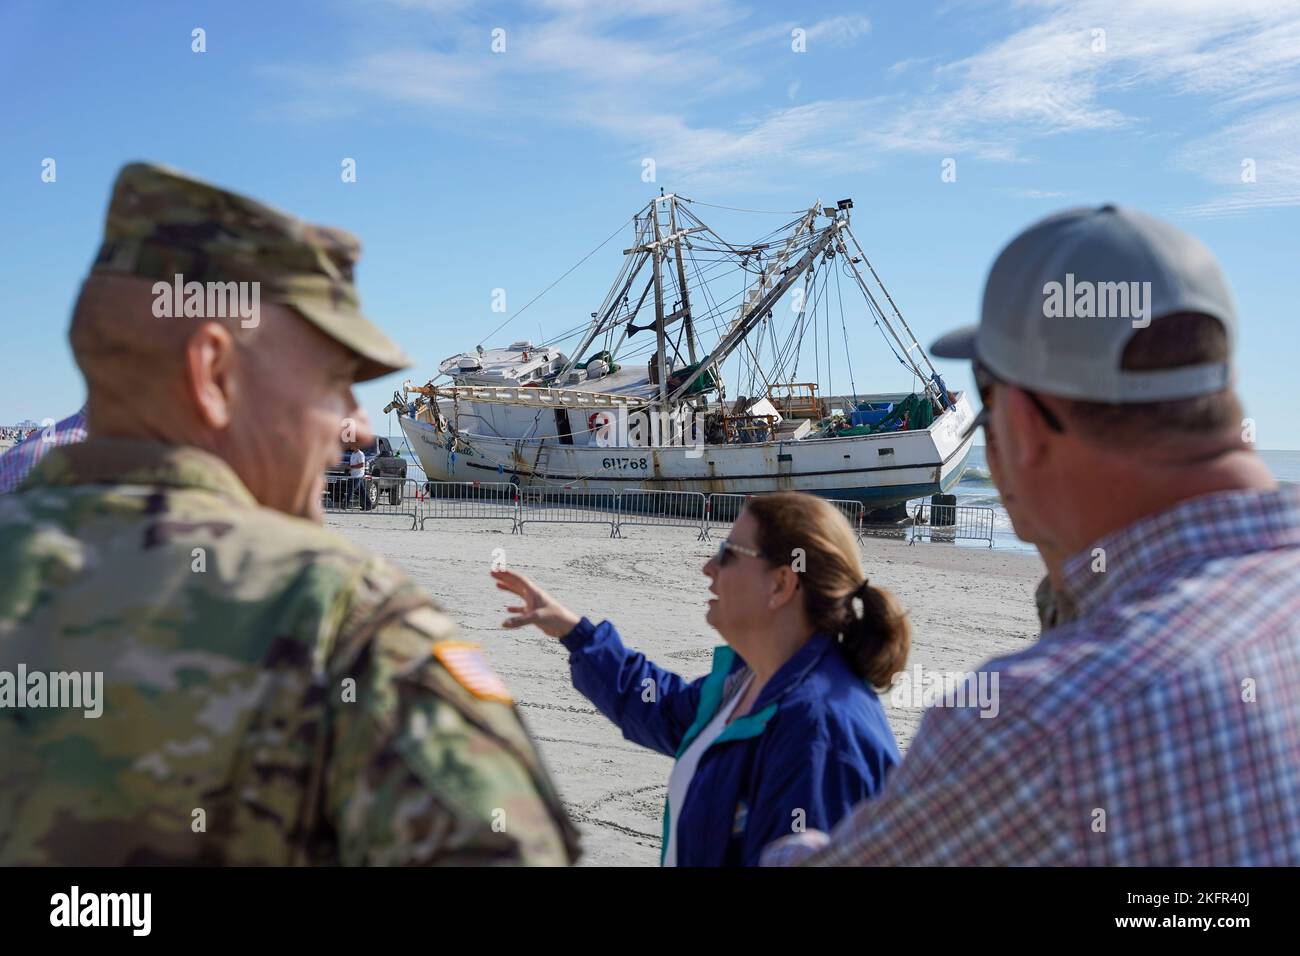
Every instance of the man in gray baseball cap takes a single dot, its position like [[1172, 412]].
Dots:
[[1062, 303], [1154, 723]]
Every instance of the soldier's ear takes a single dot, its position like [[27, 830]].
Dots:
[[209, 366]]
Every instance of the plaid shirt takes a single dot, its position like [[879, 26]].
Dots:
[[22, 458], [1161, 727]]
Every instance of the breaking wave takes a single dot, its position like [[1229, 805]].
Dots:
[[976, 475]]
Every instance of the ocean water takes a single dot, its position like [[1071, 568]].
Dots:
[[976, 489]]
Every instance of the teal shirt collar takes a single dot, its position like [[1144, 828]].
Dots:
[[792, 672]]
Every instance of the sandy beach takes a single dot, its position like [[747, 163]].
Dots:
[[967, 604]]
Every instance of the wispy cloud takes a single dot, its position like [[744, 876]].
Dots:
[[1037, 193], [902, 66], [1058, 69], [431, 6], [844, 29], [1255, 162], [648, 72]]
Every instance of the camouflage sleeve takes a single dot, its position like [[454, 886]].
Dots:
[[421, 770]]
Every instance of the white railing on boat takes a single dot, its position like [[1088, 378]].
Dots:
[[533, 397]]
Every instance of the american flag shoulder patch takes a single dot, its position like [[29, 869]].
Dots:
[[467, 664]]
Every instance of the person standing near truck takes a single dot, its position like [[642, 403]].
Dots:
[[357, 475]]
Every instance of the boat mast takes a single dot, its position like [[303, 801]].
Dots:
[[660, 335], [681, 281]]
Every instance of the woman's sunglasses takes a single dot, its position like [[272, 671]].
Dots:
[[726, 548], [984, 382]]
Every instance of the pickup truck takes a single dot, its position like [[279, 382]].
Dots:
[[385, 475]]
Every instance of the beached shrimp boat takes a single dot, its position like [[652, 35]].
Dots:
[[627, 411]]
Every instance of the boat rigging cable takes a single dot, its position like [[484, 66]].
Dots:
[[763, 212], [621, 226], [848, 355], [877, 317], [764, 266]]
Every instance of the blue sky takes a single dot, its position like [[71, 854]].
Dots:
[[479, 170]]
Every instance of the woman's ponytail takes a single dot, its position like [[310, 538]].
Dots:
[[875, 635], [868, 622]]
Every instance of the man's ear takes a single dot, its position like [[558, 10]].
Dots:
[[210, 381], [1025, 423]]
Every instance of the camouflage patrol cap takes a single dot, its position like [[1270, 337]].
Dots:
[[163, 223]]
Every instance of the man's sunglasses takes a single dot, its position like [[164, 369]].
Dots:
[[984, 382], [726, 548]]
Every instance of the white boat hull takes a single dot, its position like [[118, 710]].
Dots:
[[878, 470]]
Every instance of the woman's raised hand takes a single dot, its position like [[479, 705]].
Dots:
[[538, 607]]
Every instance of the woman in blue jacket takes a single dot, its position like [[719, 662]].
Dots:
[[785, 733]]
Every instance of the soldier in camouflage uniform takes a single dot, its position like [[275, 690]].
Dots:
[[271, 693]]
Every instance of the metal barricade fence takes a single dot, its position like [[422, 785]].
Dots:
[[952, 523], [853, 512], [722, 509], [898, 528], [505, 501], [340, 494], [568, 505], [670, 509], [484, 500], [372, 496]]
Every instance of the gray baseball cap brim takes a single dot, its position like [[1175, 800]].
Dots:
[[957, 344], [960, 344]]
